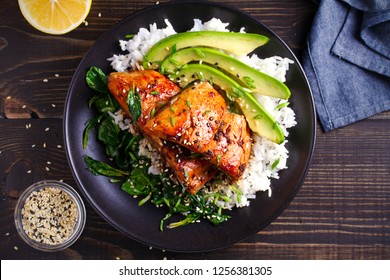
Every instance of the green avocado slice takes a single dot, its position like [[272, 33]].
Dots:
[[259, 120], [255, 80], [232, 42]]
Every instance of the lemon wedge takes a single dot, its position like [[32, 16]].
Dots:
[[55, 16]]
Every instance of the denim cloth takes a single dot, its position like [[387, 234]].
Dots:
[[347, 60]]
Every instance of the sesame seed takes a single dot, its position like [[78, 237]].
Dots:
[[47, 129], [44, 145], [7, 233], [8, 97], [86, 23], [56, 75], [99, 14], [28, 171], [45, 80], [24, 107], [117, 258], [53, 105], [33, 146], [59, 146], [47, 168], [16, 248]]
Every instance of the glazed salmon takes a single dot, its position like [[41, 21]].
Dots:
[[191, 118], [155, 91], [191, 172], [231, 146]]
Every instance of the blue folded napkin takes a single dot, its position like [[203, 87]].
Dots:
[[347, 60]]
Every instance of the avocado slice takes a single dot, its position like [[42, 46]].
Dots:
[[232, 42], [255, 80], [259, 120]]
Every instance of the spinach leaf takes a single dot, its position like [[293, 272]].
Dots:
[[134, 104], [89, 126], [100, 168], [108, 132], [105, 103], [97, 80], [140, 182]]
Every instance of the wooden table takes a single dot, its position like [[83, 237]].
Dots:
[[341, 212]]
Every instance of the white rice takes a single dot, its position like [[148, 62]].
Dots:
[[264, 153]]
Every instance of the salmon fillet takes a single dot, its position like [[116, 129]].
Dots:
[[191, 172], [191, 118], [155, 91], [231, 146]]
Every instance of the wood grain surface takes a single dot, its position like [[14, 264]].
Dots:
[[341, 212]]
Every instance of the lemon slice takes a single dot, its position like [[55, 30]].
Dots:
[[55, 16]]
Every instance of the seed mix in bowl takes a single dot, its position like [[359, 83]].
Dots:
[[49, 216]]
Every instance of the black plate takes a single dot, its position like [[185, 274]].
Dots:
[[142, 223]]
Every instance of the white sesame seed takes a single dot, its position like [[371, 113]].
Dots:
[[48, 162], [56, 75], [8, 97], [44, 145], [47, 168], [117, 258], [24, 107], [16, 248], [28, 171], [7, 233], [53, 105], [59, 146], [86, 23], [33, 146], [45, 80], [47, 129], [99, 14]]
